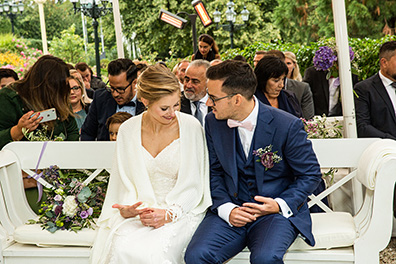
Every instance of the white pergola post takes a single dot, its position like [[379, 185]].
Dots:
[[344, 64], [347, 100], [42, 25], [118, 29]]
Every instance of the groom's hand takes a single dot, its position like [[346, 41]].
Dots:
[[239, 217], [264, 207]]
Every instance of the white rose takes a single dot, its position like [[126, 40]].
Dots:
[[70, 206]]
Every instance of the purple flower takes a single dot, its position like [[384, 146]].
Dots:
[[267, 160], [324, 58], [58, 198], [58, 210], [351, 54], [90, 211], [84, 214]]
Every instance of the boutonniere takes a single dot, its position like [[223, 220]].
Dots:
[[267, 157]]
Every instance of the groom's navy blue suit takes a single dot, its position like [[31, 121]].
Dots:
[[237, 179]]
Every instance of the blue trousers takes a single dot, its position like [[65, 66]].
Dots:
[[215, 241]]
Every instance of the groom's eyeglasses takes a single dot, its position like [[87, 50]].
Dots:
[[214, 99]]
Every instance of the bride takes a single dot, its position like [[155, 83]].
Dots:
[[159, 184]]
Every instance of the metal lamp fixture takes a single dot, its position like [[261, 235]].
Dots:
[[177, 21], [12, 9], [231, 18], [94, 9]]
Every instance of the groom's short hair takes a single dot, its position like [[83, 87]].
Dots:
[[238, 77]]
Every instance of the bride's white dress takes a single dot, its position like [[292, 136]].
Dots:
[[135, 243]]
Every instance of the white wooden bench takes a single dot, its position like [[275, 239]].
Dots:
[[371, 227]]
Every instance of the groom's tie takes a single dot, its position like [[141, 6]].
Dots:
[[233, 123], [198, 113]]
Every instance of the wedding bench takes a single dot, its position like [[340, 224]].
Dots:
[[340, 237], [21, 243]]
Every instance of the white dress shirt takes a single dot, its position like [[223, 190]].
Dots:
[[128, 109], [334, 94], [390, 89], [202, 107], [246, 138]]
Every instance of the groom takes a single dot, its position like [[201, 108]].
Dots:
[[261, 204]]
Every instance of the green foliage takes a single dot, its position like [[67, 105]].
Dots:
[[69, 47], [366, 52]]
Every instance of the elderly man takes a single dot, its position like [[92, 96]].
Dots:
[[194, 96], [119, 97]]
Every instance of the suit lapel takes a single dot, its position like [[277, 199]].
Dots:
[[380, 88], [263, 136], [325, 87]]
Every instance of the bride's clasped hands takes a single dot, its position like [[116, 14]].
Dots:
[[152, 217]]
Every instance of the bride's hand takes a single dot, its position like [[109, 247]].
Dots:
[[128, 211], [153, 217]]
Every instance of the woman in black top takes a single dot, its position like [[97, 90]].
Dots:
[[207, 49]]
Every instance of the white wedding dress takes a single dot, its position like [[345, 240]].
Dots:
[[134, 243]]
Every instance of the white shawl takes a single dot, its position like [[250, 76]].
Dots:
[[130, 183]]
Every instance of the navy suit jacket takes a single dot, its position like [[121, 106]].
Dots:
[[375, 115], [292, 179], [102, 107]]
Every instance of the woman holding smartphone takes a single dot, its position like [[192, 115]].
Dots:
[[44, 86]]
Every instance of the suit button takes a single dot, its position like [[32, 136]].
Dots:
[[250, 183], [235, 195]]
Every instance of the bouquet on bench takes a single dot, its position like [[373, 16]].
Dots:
[[73, 199]]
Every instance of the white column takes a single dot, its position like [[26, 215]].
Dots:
[[42, 25], [118, 29]]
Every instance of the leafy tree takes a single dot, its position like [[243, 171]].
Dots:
[[303, 21], [69, 46]]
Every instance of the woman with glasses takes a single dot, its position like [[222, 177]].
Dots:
[[78, 97], [159, 187], [271, 73]]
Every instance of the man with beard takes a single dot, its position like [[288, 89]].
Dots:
[[194, 97], [119, 97], [375, 102]]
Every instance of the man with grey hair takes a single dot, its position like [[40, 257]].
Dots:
[[194, 96]]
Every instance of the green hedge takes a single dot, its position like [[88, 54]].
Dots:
[[366, 53]]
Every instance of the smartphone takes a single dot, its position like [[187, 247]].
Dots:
[[48, 115]]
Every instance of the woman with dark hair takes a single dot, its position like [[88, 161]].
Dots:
[[207, 49], [44, 86], [271, 72]]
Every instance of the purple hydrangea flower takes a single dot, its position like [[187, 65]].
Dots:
[[57, 198], [324, 58], [84, 214]]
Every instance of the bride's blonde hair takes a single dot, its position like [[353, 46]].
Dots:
[[156, 82]]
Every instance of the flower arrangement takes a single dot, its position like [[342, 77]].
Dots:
[[71, 203], [320, 127], [267, 157], [41, 134], [325, 59]]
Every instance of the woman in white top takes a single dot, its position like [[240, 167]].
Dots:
[[159, 184]]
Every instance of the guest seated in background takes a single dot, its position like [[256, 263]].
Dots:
[[78, 98], [300, 89], [292, 65], [114, 122], [159, 192], [239, 58], [271, 72], [207, 49], [21, 102], [376, 101], [86, 72], [119, 97], [7, 76], [258, 56]]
